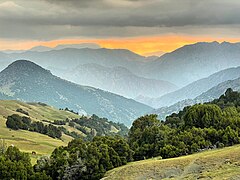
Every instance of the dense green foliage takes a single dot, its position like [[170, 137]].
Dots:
[[99, 126], [17, 122], [196, 128], [86, 160], [17, 165]]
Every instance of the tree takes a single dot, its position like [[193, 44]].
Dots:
[[17, 165], [146, 136], [14, 122], [203, 115]]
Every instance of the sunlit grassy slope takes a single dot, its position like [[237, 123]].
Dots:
[[31, 141], [213, 164]]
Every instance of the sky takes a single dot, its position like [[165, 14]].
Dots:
[[143, 26]]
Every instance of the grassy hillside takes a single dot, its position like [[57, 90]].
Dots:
[[32, 141], [212, 164], [28, 141], [37, 111]]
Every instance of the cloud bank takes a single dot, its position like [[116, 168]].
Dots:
[[54, 19]]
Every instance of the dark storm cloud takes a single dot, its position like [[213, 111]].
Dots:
[[49, 19]]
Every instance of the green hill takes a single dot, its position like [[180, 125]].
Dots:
[[212, 164], [28, 141], [32, 141]]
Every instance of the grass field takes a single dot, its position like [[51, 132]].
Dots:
[[216, 164], [31, 141]]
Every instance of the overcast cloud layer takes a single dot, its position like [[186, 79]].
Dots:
[[52, 19]]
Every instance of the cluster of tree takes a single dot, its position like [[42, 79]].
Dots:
[[17, 122], [22, 111], [99, 126], [69, 110], [229, 99], [86, 159], [59, 122], [195, 128], [72, 133], [17, 165]]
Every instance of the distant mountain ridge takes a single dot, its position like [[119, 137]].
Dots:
[[64, 46], [69, 58], [207, 96], [181, 67], [26, 81], [218, 90], [194, 89], [192, 62], [118, 80]]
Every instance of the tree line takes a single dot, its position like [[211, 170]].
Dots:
[[86, 159], [17, 122], [99, 126]]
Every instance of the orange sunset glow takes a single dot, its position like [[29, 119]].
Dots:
[[140, 45]]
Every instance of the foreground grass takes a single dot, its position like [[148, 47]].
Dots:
[[213, 164], [28, 141]]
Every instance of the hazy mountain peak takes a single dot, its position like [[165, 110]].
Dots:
[[78, 46], [66, 46], [25, 66]]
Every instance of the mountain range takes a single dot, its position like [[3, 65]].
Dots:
[[194, 89], [229, 78], [64, 46], [180, 67], [118, 80], [26, 81], [58, 47], [105, 62], [193, 62]]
